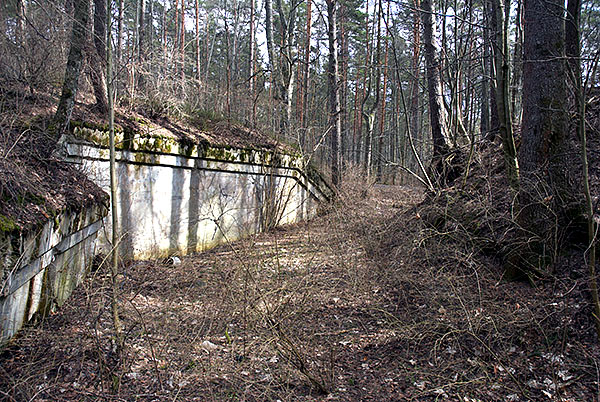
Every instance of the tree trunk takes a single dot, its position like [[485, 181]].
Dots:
[[485, 93], [62, 117], [99, 56], [501, 63], [113, 192], [334, 95], [489, 35], [370, 114], [141, 31], [380, 145], [437, 114], [517, 65], [416, 71], [120, 32], [21, 23], [306, 74], [544, 189], [182, 44], [197, 39], [252, 52], [269, 34]]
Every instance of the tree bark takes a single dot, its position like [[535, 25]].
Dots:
[[99, 57], [544, 189], [416, 71], [380, 145], [437, 114], [501, 9], [120, 32], [334, 95], [62, 117], [306, 74], [197, 39], [113, 193], [269, 35], [21, 19], [252, 51]]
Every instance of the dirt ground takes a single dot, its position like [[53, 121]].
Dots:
[[361, 304]]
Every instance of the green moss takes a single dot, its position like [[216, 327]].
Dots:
[[7, 224], [142, 157], [220, 153]]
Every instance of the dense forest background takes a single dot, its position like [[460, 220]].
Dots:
[[267, 65]]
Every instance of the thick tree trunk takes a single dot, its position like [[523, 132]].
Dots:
[[545, 195], [62, 117], [544, 119]]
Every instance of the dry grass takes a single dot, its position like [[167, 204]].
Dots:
[[363, 303]]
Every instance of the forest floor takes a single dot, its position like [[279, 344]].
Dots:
[[362, 303]]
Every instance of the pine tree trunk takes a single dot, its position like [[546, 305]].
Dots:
[[416, 71], [334, 95], [544, 188]]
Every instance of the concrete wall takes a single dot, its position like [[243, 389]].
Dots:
[[179, 199], [39, 270]]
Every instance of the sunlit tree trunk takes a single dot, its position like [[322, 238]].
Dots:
[[437, 115], [334, 95], [99, 57]]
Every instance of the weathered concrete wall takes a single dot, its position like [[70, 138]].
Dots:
[[41, 269], [178, 199]]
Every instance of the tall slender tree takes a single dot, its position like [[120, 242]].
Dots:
[[334, 95], [501, 9]]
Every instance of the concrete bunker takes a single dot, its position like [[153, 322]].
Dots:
[[184, 190]]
